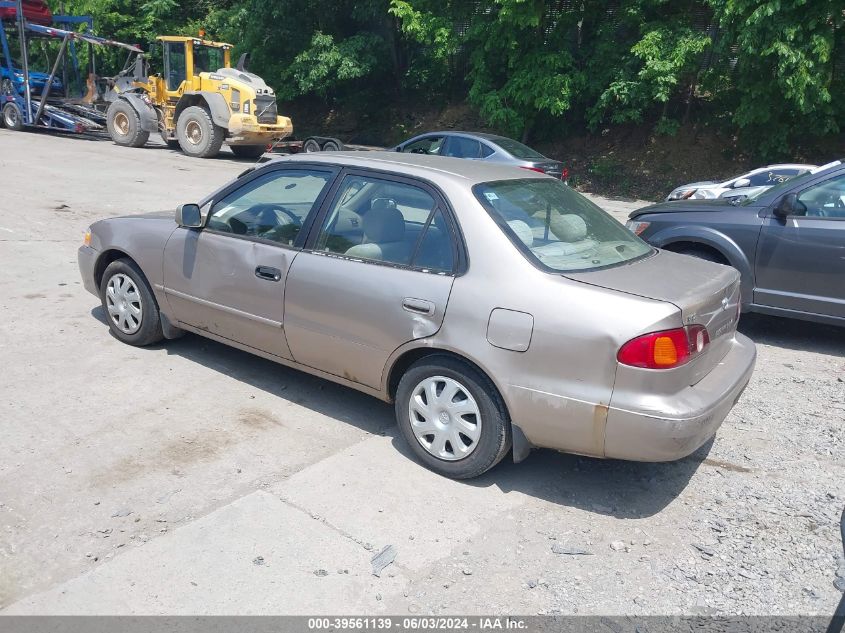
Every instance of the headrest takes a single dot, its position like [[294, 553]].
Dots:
[[384, 222], [523, 231], [568, 228]]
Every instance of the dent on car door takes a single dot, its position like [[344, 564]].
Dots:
[[377, 274], [801, 259], [228, 278]]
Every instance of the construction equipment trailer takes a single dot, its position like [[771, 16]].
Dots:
[[44, 110]]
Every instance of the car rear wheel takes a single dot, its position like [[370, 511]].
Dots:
[[452, 417], [124, 125], [331, 146], [130, 307]]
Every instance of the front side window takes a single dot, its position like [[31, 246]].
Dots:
[[556, 227], [825, 200], [273, 206], [425, 145], [387, 221]]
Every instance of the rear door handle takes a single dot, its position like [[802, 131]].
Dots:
[[418, 306], [269, 273]]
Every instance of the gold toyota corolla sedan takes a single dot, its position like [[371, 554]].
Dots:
[[496, 307]]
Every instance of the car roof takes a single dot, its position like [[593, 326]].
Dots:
[[420, 165]]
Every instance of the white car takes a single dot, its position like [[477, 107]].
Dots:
[[750, 182]]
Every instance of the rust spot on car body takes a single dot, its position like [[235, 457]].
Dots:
[[599, 426]]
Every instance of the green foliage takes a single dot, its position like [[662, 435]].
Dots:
[[326, 64], [771, 70]]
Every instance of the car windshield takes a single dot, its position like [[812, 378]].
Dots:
[[517, 149], [557, 228]]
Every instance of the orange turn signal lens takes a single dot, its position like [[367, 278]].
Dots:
[[87, 239], [665, 354]]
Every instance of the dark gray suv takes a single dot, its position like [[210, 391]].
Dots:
[[787, 242]]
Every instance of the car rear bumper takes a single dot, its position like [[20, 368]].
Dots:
[[87, 259], [654, 437]]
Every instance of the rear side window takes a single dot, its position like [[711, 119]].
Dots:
[[387, 221], [460, 147]]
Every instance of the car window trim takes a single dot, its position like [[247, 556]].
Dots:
[[460, 259], [798, 192], [245, 180]]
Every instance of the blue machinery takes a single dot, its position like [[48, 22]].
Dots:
[[40, 110]]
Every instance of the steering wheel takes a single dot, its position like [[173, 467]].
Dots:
[[263, 208]]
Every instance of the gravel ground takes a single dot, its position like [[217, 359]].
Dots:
[[191, 478]]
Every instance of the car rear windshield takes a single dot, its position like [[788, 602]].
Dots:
[[557, 228], [517, 149]]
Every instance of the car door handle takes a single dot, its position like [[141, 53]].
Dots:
[[269, 273], [418, 306]]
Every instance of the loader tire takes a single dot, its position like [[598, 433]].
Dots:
[[124, 125], [197, 134]]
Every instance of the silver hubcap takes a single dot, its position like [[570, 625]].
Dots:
[[123, 301], [445, 418], [10, 115], [193, 132]]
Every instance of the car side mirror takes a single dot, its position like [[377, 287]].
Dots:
[[742, 182], [189, 216], [789, 205]]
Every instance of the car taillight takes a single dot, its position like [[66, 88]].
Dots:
[[537, 169], [665, 349], [565, 173]]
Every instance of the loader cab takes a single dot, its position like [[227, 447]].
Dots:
[[184, 58]]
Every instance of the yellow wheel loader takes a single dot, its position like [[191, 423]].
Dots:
[[198, 102]]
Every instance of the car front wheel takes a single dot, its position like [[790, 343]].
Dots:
[[452, 417], [130, 307]]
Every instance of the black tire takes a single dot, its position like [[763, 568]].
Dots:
[[331, 146], [310, 146], [124, 125], [12, 116], [149, 324], [248, 151], [703, 253], [495, 436], [197, 134]]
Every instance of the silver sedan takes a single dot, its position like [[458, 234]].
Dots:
[[496, 307]]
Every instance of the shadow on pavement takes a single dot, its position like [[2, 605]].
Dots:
[[794, 334], [611, 487], [319, 395], [626, 490]]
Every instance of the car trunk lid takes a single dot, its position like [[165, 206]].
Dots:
[[706, 294]]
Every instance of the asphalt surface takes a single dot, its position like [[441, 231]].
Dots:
[[190, 478]]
